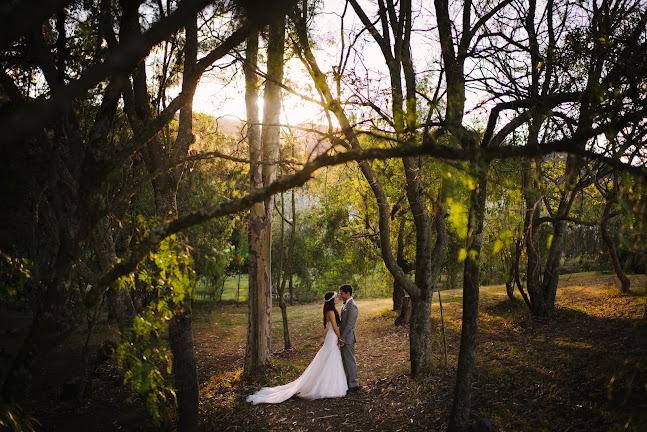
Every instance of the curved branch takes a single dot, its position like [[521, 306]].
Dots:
[[33, 115], [159, 232]]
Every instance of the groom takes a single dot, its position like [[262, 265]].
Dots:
[[347, 340]]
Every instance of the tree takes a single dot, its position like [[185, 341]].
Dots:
[[427, 263], [550, 56], [611, 189], [263, 152], [283, 270], [159, 156]]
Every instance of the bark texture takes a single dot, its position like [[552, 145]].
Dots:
[[257, 352], [625, 283], [461, 407], [264, 151]]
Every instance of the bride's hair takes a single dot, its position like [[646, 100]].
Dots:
[[329, 304]]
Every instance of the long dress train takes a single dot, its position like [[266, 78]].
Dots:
[[323, 378]]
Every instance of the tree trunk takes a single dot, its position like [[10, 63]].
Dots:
[[264, 150], [184, 370], [286, 331], [398, 296], [405, 312], [292, 237], [287, 274], [398, 289], [429, 260], [551, 270], [509, 288], [604, 229], [165, 185], [461, 407], [531, 197], [282, 277], [513, 266], [260, 287], [120, 302], [550, 279], [257, 353], [279, 269], [420, 337]]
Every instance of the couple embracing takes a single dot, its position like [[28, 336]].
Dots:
[[333, 371]]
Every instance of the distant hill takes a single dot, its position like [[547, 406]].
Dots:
[[310, 136], [229, 126]]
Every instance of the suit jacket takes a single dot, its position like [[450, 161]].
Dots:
[[348, 320]]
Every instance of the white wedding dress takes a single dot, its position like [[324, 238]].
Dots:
[[323, 378]]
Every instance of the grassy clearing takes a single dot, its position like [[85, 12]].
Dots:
[[532, 374], [234, 289]]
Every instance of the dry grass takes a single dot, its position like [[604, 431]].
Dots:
[[583, 368], [532, 374]]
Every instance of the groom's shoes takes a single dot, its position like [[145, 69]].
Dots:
[[353, 389]]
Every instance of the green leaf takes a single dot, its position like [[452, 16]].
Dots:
[[498, 244], [462, 254], [458, 217], [473, 254]]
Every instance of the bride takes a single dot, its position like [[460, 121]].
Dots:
[[324, 377]]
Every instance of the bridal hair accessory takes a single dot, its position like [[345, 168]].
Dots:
[[333, 296]]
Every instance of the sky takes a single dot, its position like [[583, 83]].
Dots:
[[225, 96], [216, 97]]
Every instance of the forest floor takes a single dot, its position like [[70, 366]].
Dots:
[[582, 368]]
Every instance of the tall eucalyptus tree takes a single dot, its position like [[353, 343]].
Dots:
[[264, 141]]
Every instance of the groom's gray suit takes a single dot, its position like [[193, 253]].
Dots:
[[347, 331]]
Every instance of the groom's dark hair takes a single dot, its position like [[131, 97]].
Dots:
[[346, 288]]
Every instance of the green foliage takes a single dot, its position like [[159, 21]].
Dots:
[[13, 419], [456, 186], [457, 218], [503, 223], [453, 266], [217, 244], [224, 381], [333, 246], [15, 273], [169, 278], [633, 203], [234, 288], [214, 274]]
